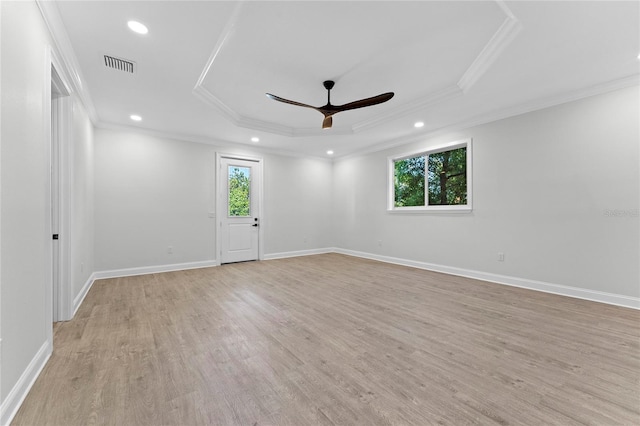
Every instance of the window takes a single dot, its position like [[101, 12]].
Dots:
[[438, 179], [239, 191]]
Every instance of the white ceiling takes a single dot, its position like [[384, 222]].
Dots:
[[203, 69]]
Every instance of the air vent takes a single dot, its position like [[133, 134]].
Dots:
[[119, 64]]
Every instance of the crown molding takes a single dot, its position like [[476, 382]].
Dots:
[[227, 31], [264, 126], [548, 102], [67, 60], [536, 105], [625, 82], [405, 109], [505, 34], [67, 65], [206, 96], [492, 50], [205, 140], [403, 140], [317, 131]]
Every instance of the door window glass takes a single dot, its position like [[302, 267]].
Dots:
[[239, 191]]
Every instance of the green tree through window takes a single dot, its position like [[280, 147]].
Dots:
[[440, 176], [448, 177], [409, 182], [239, 191]]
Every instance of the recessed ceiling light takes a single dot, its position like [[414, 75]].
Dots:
[[135, 117], [638, 55], [418, 124], [255, 139], [329, 152], [137, 27]]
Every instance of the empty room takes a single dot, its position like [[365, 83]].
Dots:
[[319, 212]]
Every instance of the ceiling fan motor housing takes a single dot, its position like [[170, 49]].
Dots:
[[329, 84]]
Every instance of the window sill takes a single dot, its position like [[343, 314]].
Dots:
[[430, 209]]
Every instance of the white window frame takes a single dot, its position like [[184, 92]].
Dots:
[[431, 208]]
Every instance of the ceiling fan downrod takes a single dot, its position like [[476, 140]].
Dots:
[[328, 84]]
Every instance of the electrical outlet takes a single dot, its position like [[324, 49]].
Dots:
[[170, 249], [500, 257]]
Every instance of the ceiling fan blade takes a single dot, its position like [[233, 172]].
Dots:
[[329, 110], [365, 102], [287, 101]]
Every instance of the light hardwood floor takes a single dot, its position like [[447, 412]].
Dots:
[[332, 339]]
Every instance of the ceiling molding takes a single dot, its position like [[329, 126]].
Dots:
[[548, 102], [317, 131], [492, 50], [629, 81], [205, 95], [598, 89], [66, 57], [496, 45], [228, 30], [264, 126], [218, 143], [505, 34], [407, 108], [202, 92], [259, 125]]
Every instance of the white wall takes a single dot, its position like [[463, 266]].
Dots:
[[298, 204], [24, 167], [543, 183], [82, 262], [25, 215], [153, 192]]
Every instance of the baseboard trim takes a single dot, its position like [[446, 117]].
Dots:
[[297, 253], [19, 392], [129, 272], [77, 301], [562, 290]]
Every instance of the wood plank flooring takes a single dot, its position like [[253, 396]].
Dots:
[[332, 339]]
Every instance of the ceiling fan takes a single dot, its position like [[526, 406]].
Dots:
[[329, 110]]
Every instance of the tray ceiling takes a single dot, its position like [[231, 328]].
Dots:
[[203, 69]]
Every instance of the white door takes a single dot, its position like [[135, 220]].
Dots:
[[239, 215], [58, 94], [55, 206]]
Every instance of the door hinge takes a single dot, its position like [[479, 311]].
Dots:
[[55, 236]]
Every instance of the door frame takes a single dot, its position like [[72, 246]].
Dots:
[[57, 110], [221, 193]]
